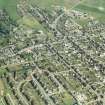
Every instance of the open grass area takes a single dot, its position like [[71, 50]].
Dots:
[[2, 71], [1, 88], [95, 3], [10, 6], [31, 22], [50, 3], [68, 100], [95, 8]]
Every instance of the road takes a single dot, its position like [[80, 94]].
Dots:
[[42, 91]]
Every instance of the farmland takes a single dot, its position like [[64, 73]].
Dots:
[[95, 8]]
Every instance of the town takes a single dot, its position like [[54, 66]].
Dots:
[[62, 63]]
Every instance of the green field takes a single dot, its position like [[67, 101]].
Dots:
[[95, 8], [10, 6], [50, 3], [30, 22]]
